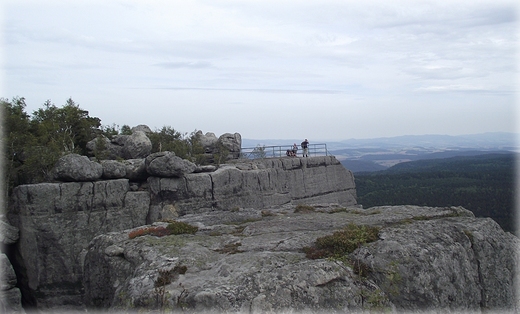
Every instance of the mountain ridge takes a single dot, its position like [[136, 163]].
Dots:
[[488, 139]]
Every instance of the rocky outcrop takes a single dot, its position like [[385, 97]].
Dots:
[[253, 184], [56, 223], [166, 164], [113, 169], [232, 143], [253, 261], [58, 220], [208, 141], [74, 167], [10, 295], [134, 146]]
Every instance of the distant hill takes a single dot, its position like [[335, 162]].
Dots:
[[492, 140], [362, 166], [376, 154], [484, 184], [373, 162]]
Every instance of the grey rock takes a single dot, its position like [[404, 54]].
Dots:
[[143, 128], [208, 141], [11, 301], [104, 148], [10, 296], [134, 146], [135, 169], [425, 259], [8, 275], [114, 250], [205, 168], [232, 142], [8, 233], [137, 145], [261, 184], [113, 169], [166, 164], [74, 167], [455, 263], [56, 223]]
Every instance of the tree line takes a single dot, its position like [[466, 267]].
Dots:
[[483, 184], [32, 143]]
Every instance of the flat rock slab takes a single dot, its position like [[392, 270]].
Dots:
[[425, 258]]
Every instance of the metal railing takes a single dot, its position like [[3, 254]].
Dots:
[[261, 151]]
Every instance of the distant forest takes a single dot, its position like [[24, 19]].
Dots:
[[484, 184]]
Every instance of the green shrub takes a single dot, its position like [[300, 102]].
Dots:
[[179, 227], [174, 227], [342, 242]]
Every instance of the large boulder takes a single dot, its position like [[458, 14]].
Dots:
[[458, 264], [143, 128], [208, 141], [135, 169], [137, 145], [232, 142], [134, 146], [212, 145], [113, 169], [74, 167], [166, 164]]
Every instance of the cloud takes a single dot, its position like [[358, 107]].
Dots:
[[463, 89], [186, 64], [256, 90], [334, 60]]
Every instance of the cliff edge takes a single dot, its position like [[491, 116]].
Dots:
[[258, 261], [57, 221]]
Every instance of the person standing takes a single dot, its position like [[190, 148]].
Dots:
[[305, 147]]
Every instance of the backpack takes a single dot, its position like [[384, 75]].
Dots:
[[304, 145]]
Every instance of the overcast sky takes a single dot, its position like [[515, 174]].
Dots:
[[323, 70]]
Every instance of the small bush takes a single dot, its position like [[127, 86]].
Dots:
[[342, 242], [179, 227], [175, 227]]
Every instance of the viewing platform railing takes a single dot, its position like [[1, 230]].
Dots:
[[261, 151]]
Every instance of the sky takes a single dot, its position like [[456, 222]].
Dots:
[[322, 70]]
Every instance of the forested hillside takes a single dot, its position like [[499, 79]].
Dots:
[[484, 184]]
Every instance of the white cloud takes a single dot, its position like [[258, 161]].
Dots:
[[335, 67]]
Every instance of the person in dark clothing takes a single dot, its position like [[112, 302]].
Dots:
[[305, 147]]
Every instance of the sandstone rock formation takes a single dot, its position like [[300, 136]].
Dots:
[[136, 145], [143, 128], [212, 145], [232, 142], [113, 169], [74, 167], [253, 261], [166, 164], [208, 141], [256, 184], [10, 295], [58, 220], [86, 245]]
